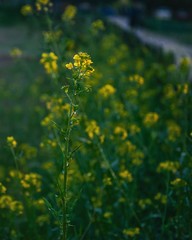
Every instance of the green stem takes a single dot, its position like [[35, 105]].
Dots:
[[65, 171], [165, 209]]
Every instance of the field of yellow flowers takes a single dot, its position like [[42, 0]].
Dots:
[[96, 136]]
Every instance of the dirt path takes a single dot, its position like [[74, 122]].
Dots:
[[167, 44]]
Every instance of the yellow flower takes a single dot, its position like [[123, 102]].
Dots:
[[126, 175], [107, 181], [11, 142], [107, 90], [43, 5], [174, 131], [92, 129], [16, 52], [7, 202], [26, 10], [31, 180], [185, 88], [17, 207], [161, 198], [151, 118], [98, 25], [69, 66], [49, 61], [178, 182], [143, 203], [137, 79], [133, 129], [185, 61], [168, 166], [82, 65], [131, 232], [52, 36], [107, 215], [2, 188], [121, 132], [69, 13]]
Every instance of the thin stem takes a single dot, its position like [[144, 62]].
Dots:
[[65, 170], [165, 209]]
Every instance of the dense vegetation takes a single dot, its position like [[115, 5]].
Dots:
[[98, 146]]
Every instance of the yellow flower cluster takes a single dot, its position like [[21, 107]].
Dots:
[[131, 232], [169, 91], [168, 166], [43, 5], [134, 129], [120, 131], [47, 121], [31, 180], [150, 119], [143, 203], [16, 53], [49, 61], [137, 157], [26, 10], [82, 65], [174, 131], [98, 25], [178, 182], [107, 181], [126, 175], [92, 129], [52, 36], [107, 90], [107, 215], [161, 198], [7, 202], [2, 188], [137, 79], [185, 61], [69, 13], [15, 174], [127, 147], [11, 142]]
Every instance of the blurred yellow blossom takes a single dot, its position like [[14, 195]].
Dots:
[[120, 131], [137, 79], [107, 90], [92, 129], [131, 232], [174, 131], [150, 119], [7, 202], [26, 10], [31, 180], [2, 188], [126, 175], [49, 61], [107, 215], [11, 142], [43, 5], [16, 52], [98, 25], [69, 13], [143, 203], [52, 36], [168, 166], [178, 182], [161, 198]]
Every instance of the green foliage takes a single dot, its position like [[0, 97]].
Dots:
[[113, 148]]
